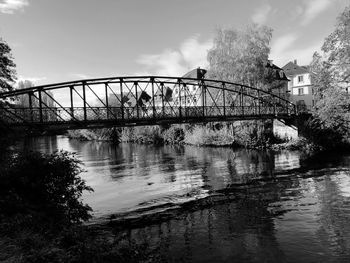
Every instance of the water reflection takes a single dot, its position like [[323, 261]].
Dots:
[[279, 208], [296, 220], [127, 177]]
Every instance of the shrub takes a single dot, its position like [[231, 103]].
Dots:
[[103, 134], [202, 135], [253, 134], [173, 135], [46, 186]]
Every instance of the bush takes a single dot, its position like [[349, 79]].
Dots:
[[43, 186], [202, 135], [329, 139], [252, 134], [173, 135], [103, 134]]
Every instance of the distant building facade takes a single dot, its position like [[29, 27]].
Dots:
[[190, 95], [300, 85], [278, 80]]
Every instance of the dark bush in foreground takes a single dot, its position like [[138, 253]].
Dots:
[[43, 186]]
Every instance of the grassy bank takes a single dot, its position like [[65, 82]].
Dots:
[[249, 134]]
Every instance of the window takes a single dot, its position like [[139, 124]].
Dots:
[[300, 79], [301, 91]]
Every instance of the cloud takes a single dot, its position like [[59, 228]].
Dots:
[[80, 75], [171, 62], [302, 55], [10, 6], [313, 8], [281, 44], [260, 15]]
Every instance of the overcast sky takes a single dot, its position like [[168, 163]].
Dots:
[[61, 40]]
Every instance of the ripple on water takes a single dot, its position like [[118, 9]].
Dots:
[[277, 208]]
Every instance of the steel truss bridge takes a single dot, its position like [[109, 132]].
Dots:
[[131, 101]]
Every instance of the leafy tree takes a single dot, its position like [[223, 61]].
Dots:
[[43, 186], [23, 100], [331, 76], [240, 55], [7, 67], [337, 49]]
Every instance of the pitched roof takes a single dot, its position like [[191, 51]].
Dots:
[[197, 73], [292, 69], [279, 73]]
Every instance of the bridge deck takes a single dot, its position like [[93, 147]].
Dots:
[[145, 100]]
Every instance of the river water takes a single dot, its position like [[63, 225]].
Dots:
[[279, 207]]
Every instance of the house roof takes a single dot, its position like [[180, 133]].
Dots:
[[292, 69], [279, 73], [196, 73]]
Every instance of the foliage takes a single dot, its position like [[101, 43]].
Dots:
[[73, 244], [23, 100], [240, 56], [104, 134], [173, 135], [7, 67], [337, 48], [253, 134], [202, 135], [331, 76], [43, 186]]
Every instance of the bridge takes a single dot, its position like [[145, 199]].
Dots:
[[133, 101]]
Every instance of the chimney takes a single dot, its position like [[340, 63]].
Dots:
[[295, 62]]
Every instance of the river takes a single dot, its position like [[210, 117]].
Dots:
[[279, 207]]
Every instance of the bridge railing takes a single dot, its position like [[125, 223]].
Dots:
[[129, 99], [22, 116]]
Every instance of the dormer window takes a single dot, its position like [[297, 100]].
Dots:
[[300, 79]]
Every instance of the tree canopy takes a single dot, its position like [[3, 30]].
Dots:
[[7, 67], [240, 55], [331, 76]]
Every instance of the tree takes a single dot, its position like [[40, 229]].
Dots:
[[7, 67], [23, 100], [337, 49], [331, 76], [43, 186], [240, 56]]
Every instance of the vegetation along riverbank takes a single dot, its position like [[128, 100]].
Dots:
[[41, 212]]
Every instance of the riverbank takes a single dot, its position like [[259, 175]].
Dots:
[[240, 136], [247, 134], [165, 195]]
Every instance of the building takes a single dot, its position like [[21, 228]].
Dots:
[[300, 85], [189, 93], [278, 81]]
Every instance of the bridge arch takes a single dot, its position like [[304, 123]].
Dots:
[[137, 100]]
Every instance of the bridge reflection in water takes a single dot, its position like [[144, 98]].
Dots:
[[278, 208], [125, 101]]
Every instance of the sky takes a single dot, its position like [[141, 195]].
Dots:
[[62, 40]]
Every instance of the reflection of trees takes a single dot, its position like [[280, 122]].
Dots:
[[44, 144], [230, 232], [216, 168], [334, 213]]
